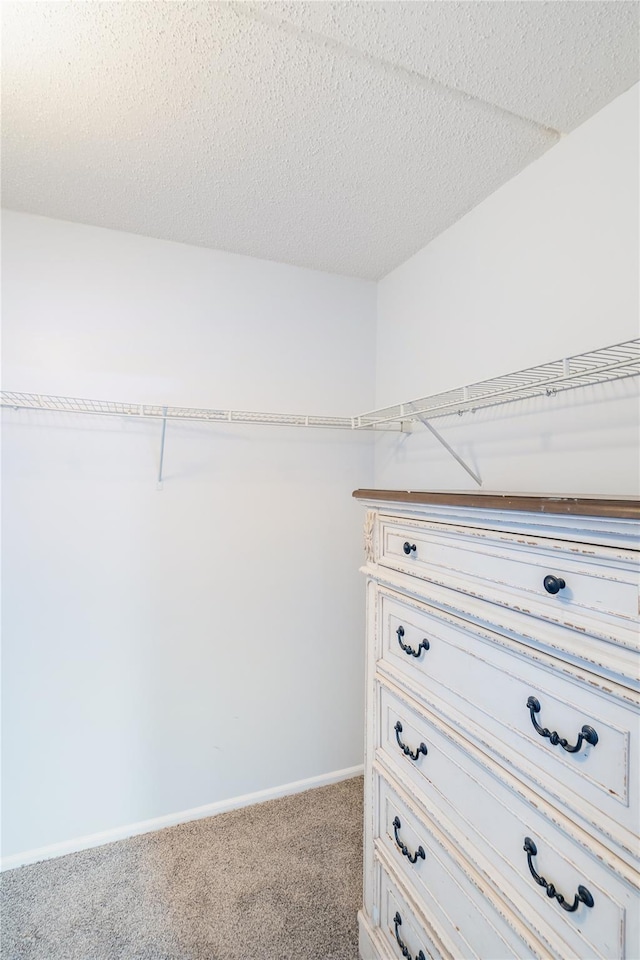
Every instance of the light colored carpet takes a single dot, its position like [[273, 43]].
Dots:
[[277, 881]]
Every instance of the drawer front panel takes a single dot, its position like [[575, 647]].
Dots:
[[491, 822], [473, 676], [454, 902], [407, 931], [601, 585]]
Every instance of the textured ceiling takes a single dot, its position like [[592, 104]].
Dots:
[[339, 136], [554, 63]]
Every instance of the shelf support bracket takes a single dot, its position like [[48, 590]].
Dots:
[[440, 439], [162, 436]]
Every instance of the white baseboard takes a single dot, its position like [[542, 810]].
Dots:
[[171, 819]]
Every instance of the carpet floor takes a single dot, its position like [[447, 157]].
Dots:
[[277, 881]]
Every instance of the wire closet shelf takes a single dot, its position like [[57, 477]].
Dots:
[[604, 365], [600, 366], [145, 411]]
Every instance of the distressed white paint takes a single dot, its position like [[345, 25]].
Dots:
[[546, 267], [486, 778], [338, 136], [168, 650], [602, 600], [468, 922], [461, 673]]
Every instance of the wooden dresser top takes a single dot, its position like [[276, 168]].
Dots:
[[627, 508]]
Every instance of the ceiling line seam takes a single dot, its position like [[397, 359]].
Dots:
[[248, 10]]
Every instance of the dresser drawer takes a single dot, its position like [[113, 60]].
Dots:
[[451, 898], [400, 926], [601, 584], [500, 695], [490, 816]]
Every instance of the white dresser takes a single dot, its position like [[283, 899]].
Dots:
[[503, 730]]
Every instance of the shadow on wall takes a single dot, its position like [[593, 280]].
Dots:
[[559, 444]]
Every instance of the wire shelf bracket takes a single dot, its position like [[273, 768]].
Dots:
[[162, 439], [441, 440]]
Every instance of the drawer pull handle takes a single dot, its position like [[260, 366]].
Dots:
[[408, 752], [424, 645], [582, 896], [587, 733], [411, 857], [409, 547], [405, 953], [553, 584]]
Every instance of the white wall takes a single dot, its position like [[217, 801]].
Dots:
[[544, 268], [168, 649]]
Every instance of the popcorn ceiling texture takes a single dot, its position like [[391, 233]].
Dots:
[[338, 136], [554, 63]]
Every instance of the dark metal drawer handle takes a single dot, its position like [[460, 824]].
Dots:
[[411, 857], [553, 584], [405, 953], [587, 733], [582, 896], [409, 547], [408, 752], [424, 645]]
